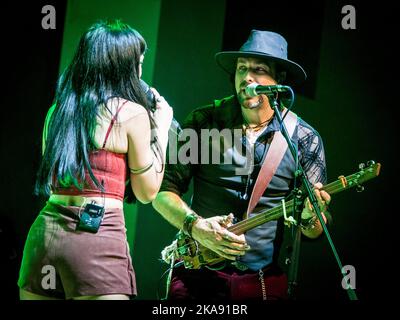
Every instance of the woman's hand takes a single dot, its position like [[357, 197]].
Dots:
[[163, 113]]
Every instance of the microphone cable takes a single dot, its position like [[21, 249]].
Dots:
[[289, 108]]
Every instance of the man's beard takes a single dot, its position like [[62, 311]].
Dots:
[[256, 104], [251, 105]]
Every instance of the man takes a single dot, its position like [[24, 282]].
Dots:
[[222, 191]]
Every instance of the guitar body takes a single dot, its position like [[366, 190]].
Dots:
[[193, 254]]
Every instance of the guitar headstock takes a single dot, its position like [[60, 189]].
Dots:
[[366, 172]]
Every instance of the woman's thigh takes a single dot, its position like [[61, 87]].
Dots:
[[26, 295]]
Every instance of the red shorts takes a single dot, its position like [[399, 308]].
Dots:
[[81, 263]]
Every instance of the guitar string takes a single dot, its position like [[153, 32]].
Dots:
[[270, 214], [332, 188]]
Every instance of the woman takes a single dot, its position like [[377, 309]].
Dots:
[[100, 129]]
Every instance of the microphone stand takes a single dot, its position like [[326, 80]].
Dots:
[[299, 173], [298, 200]]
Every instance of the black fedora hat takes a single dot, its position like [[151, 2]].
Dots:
[[266, 45]]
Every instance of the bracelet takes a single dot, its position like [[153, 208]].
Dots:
[[308, 223], [142, 170], [188, 223]]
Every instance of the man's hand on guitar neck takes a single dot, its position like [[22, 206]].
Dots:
[[313, 228], [213, 234]]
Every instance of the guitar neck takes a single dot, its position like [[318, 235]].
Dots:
[[343, 183]]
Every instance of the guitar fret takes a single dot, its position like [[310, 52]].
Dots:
[[275, 213], [195, 256]]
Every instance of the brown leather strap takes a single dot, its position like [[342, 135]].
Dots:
[[271, 162]]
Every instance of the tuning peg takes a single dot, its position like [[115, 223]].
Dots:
[[360, 188], [370, 163], [361, 166]]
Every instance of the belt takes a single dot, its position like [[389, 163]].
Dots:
[[241, 268], [230, 267], [239, 265]]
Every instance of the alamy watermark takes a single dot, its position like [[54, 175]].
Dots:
[[349, 18], [211, 146], [49, 278], [49, 18], [349, 277]]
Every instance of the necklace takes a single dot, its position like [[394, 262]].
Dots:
[[259, 126], [252, 133]]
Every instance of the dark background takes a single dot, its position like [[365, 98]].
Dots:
[[349, 99]]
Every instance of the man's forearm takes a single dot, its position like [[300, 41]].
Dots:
[[171, 207]]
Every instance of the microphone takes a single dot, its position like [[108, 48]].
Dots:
[[175, 126], [255, 89]]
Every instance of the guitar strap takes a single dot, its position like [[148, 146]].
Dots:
[[271, 162]]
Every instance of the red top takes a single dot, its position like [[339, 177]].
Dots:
[[109, 168]]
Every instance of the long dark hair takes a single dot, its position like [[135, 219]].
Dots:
[[105, 66]]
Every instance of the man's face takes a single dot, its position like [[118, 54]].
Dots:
[[250, 70]]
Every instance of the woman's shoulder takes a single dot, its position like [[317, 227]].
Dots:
[[127, 109], [133, 108]]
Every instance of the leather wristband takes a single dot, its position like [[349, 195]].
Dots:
[[190, 219]]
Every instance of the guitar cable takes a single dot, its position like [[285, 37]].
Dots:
[[168, 282]]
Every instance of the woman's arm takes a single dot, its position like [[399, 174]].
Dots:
[[146, 170]]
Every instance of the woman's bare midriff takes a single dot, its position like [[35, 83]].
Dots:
[[79, 201]]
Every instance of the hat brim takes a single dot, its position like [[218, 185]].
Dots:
[[295, 74]]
